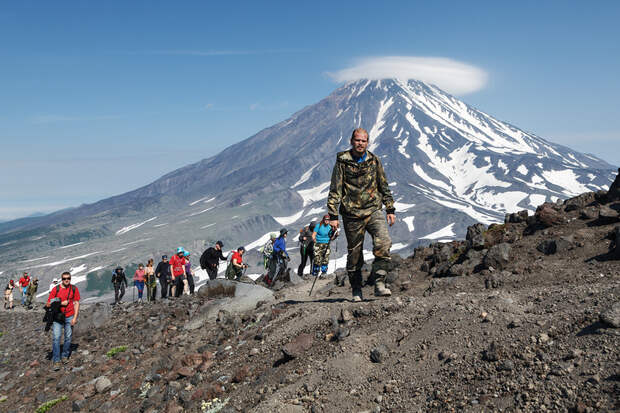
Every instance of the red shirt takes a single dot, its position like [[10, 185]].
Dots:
[[24, 281], [177, 264], [65, 294], [237, 256]]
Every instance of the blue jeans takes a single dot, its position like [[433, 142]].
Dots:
[[66, 347], [140, 286], [24, 289]]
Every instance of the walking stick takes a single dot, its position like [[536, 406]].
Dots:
[[314, 282], [133, 293]]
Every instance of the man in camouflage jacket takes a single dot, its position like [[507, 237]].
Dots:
[[358, 191]]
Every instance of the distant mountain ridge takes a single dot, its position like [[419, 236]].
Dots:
[[448, 164]]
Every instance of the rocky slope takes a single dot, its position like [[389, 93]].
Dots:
[[522, 316]]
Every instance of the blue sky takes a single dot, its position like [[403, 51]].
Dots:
[[98, 98]]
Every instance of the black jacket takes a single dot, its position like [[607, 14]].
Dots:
[[211, 258], [163, 269], [119, 278]]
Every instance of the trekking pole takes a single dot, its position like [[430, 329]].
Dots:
[[133, 293], [313, 282]]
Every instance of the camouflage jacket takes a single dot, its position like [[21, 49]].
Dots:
[[359, 188]]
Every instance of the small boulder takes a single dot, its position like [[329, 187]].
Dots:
[[298, 346], [379, 354], [555, 245], [498, 256], [548, 215], [607, 215], [475, 236], [102, 384], [516, 217], [614, 189], [611, 316]]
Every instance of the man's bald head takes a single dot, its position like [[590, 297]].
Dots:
[[359, 141]]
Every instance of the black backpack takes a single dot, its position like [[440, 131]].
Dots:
[[203, 259]]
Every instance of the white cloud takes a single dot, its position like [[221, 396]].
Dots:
[[448, 74]]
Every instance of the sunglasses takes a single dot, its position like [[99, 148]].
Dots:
[[65, 278]]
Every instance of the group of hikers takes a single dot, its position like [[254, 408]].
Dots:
[[27, 287], [358, 191]]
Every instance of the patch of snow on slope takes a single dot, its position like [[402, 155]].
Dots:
[[259, 242], [566, 179], [75, 270], [409, 222], [522, 169], [70, 245], [502, 165], [53, 264], [201, 212], [160, 225], [537, 199], [398, 246], [315, 211], [592, 177], [378, 127], [34, 259], [317, 193], [202, 199], [207, 226], [402, 207], [445, 232], [304, 177], [290, 219], [133, 226]]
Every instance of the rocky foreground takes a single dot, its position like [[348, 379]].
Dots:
[[522, 316]]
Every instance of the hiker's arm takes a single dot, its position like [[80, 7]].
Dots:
[[335, 194], [76, 308], [314, 236]]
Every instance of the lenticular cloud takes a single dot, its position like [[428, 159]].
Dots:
[[455, 77]]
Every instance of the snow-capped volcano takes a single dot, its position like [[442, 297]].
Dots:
[[449, 165]]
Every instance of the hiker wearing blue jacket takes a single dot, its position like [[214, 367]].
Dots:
[[280, 254]]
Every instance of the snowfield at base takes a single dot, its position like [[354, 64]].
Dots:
[[133, 226], [290, 219], [445, 232], [70, 245], [259, 242]]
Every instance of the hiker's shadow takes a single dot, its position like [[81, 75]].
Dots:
[[324, 300]]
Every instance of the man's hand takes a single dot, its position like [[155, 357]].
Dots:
[[391, 219], [334, 224], [74, 321]]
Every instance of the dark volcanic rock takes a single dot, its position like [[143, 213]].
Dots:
[[379, 354], [555, 245], [548, 215], [498, 256], [607, 215], [579, 202], [516, 217], [475, 236], [614, 189]]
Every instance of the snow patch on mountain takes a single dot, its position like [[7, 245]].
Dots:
[[409, 222], [445, 232], [566, 179], [290, 219], [133, 226], [304, 177], [314, 194]]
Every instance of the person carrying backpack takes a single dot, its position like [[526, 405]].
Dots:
[[234, 271], [280, 255], [268, 261], [306, 248], [119, 281], [31, 292], [162, 272], [210, 259], [322, 235], [177, 264], [189, 275], [69, 297], [150, 280], [23, 284], [8, 295]]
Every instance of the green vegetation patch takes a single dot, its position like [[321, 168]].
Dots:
[[49, 404], [116, 350]]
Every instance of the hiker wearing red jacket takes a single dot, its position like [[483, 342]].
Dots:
[[177, 266], [23, 283], [69, 297]]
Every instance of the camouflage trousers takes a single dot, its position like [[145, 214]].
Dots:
[[355, 230], [321, 254]]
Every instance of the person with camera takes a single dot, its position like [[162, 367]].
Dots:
[[236, 267], [69, 297]]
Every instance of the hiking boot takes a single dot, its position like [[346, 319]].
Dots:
[[65, 360], [56, 366], [357, 295], [381, 290]]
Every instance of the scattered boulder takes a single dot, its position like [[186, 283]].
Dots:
[[102, 384], [611, 316], [379, 354], [298, 346], [607, 215], [516, 217], [589, 213], [614, 189], [554, 245], [548, 215], [475, 236], [498, 256], [579, 202]]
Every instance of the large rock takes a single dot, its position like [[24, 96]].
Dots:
[[554, 245], [475, 236], [607, 215], [498, 256], [298, 346], [548, 215], [614, 190], [611, 316], [579, 202], [516, 217], [227, 295], [91, 318]]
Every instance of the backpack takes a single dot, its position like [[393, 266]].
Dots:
[[203, 259]]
